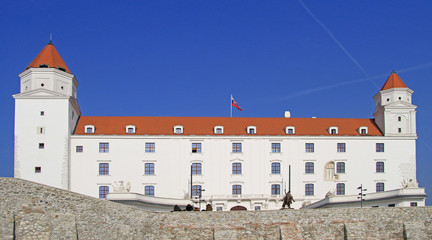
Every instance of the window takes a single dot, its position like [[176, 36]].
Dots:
[[257, 208], [89, 129], [413, 204], [196, 147], [251, 130], [149, 191], [341, 147], [196, 190], [236, 189], [399, 130], [236, 147], [42, 113], [150, 147], [399, 119], [340, 167], [41, 130], [309, 167], [149, 169], [276, 147], [333, 130], [79, 149], [38, 169], [290, 130], [340, 189], [275, 168], [309, 189], [309, 147], [130, 129], [218, 130], [236, 168], [103, 191], [103, 168], [392, 205], [275, 189], [380, 147], [196, 169], [380, 187], [178, 129], [219, 208], [363, 130], [103, 147], [41, 145], [379, 167]]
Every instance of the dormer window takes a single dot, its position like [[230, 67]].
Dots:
[[363, 130], [43, 66], [333, 130], [178, 129], [130, 129], [290, 130], [61, 69], [89, 129], [251, 130], [218, 130]]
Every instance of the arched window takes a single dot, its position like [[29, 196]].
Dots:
[[236, 168], [329, 171]]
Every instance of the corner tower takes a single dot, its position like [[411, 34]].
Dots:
[[46, 112], [394, 112]]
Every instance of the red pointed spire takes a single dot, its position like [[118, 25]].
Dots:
[[49, 57], [393, 81]]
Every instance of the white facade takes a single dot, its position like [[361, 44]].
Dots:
[[236, 162]]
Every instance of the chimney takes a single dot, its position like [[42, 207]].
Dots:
[[287, 114]]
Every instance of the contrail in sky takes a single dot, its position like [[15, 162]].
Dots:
[[322, 88], [337, 42]]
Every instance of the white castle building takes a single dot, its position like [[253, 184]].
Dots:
[[156, 162]]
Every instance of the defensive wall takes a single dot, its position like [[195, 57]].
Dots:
[[33, 211]]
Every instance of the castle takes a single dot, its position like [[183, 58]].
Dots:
[[230, 163]]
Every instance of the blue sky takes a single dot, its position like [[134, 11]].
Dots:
[[185, 58]]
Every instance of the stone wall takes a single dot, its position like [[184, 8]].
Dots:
[[33, 211]]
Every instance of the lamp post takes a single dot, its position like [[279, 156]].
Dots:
[[361, 194], [200, 195]]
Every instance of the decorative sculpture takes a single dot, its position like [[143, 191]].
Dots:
[[287, 200]]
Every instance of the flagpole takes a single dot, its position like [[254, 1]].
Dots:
[[231, 106]]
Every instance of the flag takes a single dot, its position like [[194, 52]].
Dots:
[[234, 104]]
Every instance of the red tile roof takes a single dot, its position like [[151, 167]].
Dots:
[[393, 81], [232, 126], [49, 56]]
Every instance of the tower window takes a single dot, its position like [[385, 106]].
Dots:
[[236, 168], [103, 147], [79, 149], [275, 168], [275, 189], [388, 99], [41, 130], [149, 169], [41, 145], [42, 113], [236, 189], [399, 119], [62, 69], [341, 147], [38, 169], [43, 66], [103, 168], [42, 84], [340, 167], [196, 190], [400, 98], [149, 191], [276, 148], [150, 147], [196, 147], [236, 147], [399, 130], [309, 147], [379, 167], [196, 169]]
